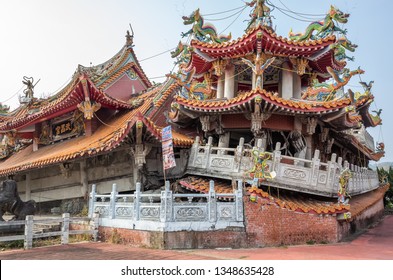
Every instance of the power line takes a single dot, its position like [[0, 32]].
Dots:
[[223, 12], [234, 20]]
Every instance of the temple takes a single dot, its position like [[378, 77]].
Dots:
[[270, 147]]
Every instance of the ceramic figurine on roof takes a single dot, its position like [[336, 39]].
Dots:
[[260, 14], [323, 28], [325, 91], [202, 32], [340, 46]]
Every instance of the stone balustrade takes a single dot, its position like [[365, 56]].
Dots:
[[168, 211], [308, 176]]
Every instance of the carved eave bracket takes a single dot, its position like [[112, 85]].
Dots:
[[219, 67], [66, 169], [205, 122], [258, 117], [88, 108], [311, 125], [299, 64]]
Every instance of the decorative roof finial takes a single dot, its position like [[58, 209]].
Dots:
[[260, 14], [130, 37], [29, 90]]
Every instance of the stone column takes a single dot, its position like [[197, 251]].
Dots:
[[28, 187], [223, 142], [229, 91], [297, 86], [220, 86], [287, 81], [311, 125], [84, 178]]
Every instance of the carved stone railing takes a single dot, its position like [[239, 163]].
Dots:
[[308, 176], [168, 211]]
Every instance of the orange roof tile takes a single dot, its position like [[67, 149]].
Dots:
[[302, 205], [244, 97]]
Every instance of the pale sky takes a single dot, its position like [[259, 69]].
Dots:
[[48, 39]]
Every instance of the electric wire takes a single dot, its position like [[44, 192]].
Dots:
[[223, 12]]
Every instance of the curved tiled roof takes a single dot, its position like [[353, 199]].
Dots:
[[317, 51], [66, 101], [301, 205], [106, 138], [294, 106]]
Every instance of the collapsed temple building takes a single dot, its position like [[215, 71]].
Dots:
[[270, 148]]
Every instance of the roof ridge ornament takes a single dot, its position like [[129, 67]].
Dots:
[[130, 37], [28, 91], [201, 31], [260, 14]]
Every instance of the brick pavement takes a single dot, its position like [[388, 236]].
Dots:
[[376, 243]]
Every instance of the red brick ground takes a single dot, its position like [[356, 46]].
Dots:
[[375, 244]]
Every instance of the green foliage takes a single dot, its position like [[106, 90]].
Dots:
[[387, 176]]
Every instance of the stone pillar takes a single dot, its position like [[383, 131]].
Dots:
[[220, 86], [223, 142], [229, 91], [297, 86], [84, 178], [311, 125], [287, 81], [28, 187]]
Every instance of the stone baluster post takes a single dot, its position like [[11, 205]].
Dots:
[[212, 203], [208, 148], [239, 155], [92, 200], [137, 201], [166, 203], [316, 163], [194, 152], [29, 222], [112, 204], [331, 172], [65, 229], [277, 158], [239, 201]]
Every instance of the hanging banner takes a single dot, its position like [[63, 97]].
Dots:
[[168, 156]]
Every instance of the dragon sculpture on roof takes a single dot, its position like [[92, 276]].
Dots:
[[340, 46], [203, 32], [181, 53], [322, 28], [325, 91]]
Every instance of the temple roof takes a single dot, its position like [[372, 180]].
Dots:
[[108, 136], [111, 84], [318, 52], [79, 90]]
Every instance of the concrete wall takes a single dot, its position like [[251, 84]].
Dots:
[[48, 184]]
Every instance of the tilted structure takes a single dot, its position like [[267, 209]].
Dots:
[[263, 123]]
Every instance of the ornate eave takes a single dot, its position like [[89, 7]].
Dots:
[[317, 51], [270, 102]]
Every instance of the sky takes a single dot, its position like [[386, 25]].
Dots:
[[47, 40]]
